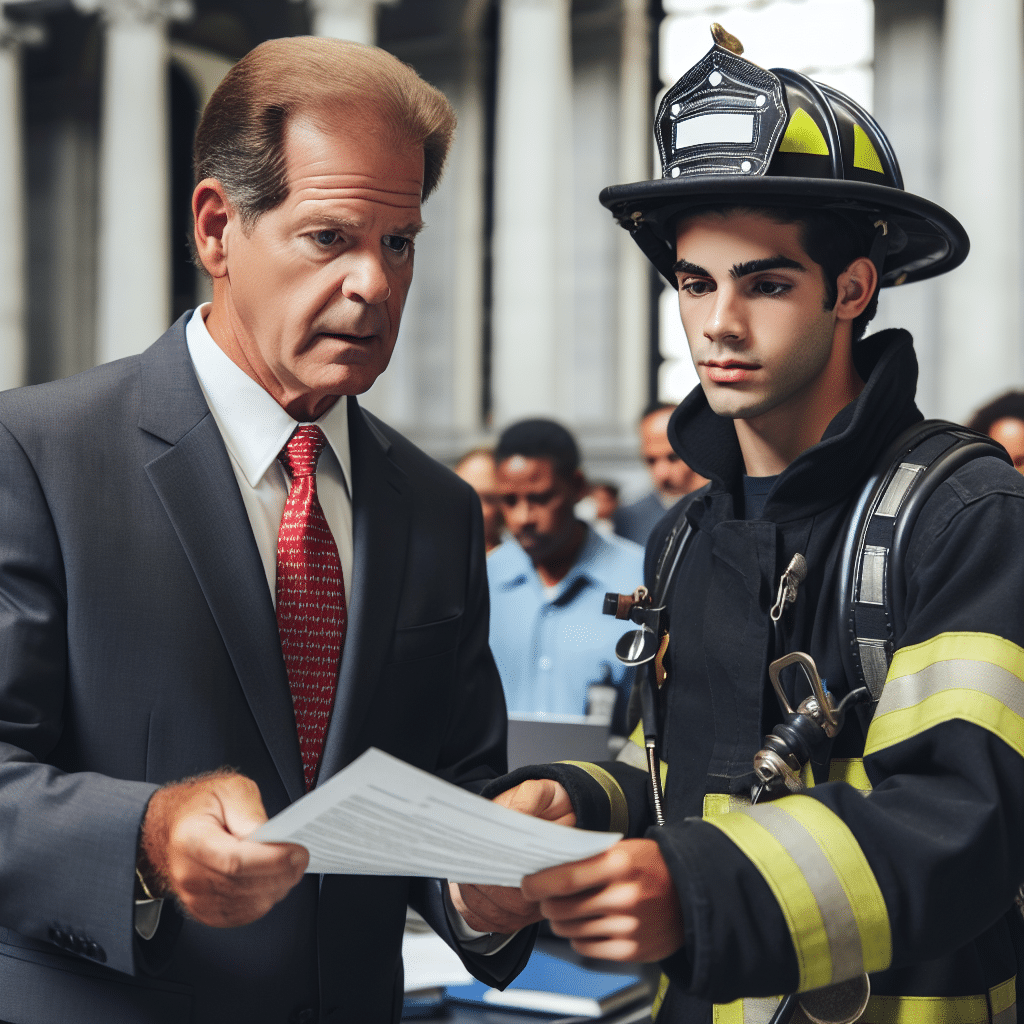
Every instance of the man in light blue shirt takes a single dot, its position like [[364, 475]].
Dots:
[[547, 585]]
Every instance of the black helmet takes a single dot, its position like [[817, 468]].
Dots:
[[730, 132]]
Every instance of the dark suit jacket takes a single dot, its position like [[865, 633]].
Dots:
[[635, 521], [138, 645]]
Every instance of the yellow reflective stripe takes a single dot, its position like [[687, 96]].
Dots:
[[999, 1003], [976, 677], [618, 818], [746, 1011], [722, 803], [727, 1013], [659, 996], [1003, 996], [851, 771], [636, 739], [828, 894], [926, 1010]]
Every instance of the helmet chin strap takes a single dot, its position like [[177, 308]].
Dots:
[[880, 248]]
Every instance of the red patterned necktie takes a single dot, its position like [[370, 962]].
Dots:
[[311, 612]]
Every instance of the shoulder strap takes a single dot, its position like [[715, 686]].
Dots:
[[672, 550], [871, 577]]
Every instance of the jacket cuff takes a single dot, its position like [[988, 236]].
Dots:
[[607, 797], [737, 942]]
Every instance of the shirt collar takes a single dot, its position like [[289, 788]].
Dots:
[[519, 569], [255, 428]]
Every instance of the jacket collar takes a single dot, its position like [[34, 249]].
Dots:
[[827, 473]]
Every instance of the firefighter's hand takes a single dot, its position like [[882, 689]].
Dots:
[[194, 849], [498, 908], [619, 905]]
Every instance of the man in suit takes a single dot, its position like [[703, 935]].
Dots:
[[162, 687], [672, 478]]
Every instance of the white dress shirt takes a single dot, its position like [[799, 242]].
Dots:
[[255, 429]]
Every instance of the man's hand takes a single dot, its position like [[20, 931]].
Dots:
[[194, 849], [498, 908], [619, 905]]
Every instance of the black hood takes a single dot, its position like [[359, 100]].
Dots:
[[831, 470]]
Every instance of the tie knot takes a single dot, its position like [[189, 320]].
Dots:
[[303, 450]]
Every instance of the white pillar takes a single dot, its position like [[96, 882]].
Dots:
[[355, 20], [982, 342], [532, 231], [467, 167], [135, 247], [636, 146], [13, 357]]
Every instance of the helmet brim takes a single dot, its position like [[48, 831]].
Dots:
[[935, 241]]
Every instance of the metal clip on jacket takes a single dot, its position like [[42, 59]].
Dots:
[[639, 648]]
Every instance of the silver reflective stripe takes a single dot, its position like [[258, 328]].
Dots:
[[1007, 1016], [872, 576], [833, 904], [874, 664], [957, 674], [897, 489], [760, 1011], [632, 755]]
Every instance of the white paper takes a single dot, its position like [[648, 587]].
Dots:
[[431, 963], [381, 816]]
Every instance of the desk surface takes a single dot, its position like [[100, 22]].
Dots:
[[454, 1013]]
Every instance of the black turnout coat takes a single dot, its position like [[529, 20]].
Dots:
[[903, 858]]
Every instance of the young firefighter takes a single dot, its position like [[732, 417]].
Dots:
[[779, 212]]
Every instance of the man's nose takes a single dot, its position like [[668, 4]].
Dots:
[[724, 322], [366, 279]]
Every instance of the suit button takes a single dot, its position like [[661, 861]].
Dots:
[[97, 952], [58, 936], [307, 1015]]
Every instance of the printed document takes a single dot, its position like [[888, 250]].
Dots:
[[381, 816]]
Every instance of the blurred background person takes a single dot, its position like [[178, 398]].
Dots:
[[672, 478], [477, 468], [599, 506], [548, 582], [1003, 420]]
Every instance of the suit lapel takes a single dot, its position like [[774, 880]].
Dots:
[[380, 527], [196, 484]]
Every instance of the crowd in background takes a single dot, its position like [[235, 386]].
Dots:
[[559, 541]]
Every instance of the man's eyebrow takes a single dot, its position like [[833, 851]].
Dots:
[[686, 267], [758, 266], [329, 223], [411, 230]]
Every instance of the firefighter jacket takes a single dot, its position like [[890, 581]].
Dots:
[[903, 858]]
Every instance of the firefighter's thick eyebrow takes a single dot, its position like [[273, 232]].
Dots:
[[685, 267], [759, 266]]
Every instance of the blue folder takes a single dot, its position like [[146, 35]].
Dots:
[[550, 985]]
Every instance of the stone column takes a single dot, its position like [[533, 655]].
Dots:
[[532, 231], [636, 117], [346, 19], [467, 170], [983, 121], [135, 247], [13, 357]]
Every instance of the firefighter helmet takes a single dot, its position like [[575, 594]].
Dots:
[[730, 132]]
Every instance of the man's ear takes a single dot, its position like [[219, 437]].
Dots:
[[855, 286], [211, 212]]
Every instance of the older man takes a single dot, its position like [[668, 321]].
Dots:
[[212, 557], [672, 478]]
